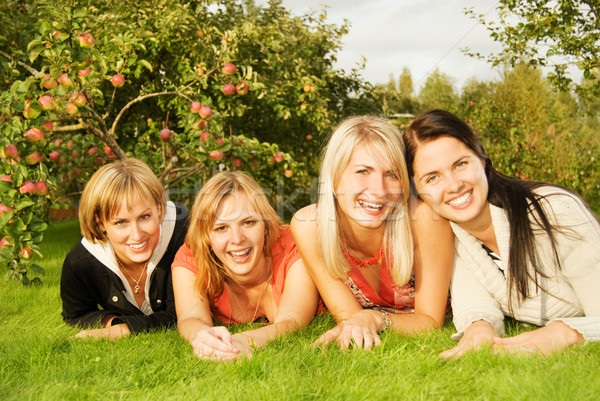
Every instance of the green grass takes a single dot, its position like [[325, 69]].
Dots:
[[39, 361]]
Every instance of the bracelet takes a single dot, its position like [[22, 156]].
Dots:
[[386, 320]]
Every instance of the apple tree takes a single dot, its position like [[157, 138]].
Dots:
[[190, 88]]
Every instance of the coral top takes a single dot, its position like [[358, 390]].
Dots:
[[397, 299], [284, 255]]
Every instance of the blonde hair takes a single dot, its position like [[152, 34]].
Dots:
[[211, 275], [104, 193], [397, 240]]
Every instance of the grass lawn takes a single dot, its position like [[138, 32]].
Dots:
[[39, 361]]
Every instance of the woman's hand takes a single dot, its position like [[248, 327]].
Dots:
[[245, 344], [476, 334], [112, 332], [554, 337], [361, 328], [215, 343]]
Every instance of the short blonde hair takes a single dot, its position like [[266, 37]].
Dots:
[[398, 242], [211, 275], [104, 193]]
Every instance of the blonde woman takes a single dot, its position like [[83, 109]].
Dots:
[[239, 264], [379, 258], [118, 277]]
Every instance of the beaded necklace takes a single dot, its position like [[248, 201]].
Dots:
[[363, 263]]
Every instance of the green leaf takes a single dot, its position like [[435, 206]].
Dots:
[[38, 269], [33, 54], [146, 64], [33, 43], [44, 27], [24, 203], [586, 74], [38, 226]]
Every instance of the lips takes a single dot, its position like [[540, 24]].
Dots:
[[370, 207], [241, 255], [138, 246], [461, 200]]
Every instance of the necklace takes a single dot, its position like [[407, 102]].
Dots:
[[137, 282], [363, 263], [257, 304]]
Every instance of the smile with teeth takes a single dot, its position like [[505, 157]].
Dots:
[[462, 200], [138, 246], [374, 207], [240, 254]]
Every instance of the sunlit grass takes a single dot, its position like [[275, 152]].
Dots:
[[39, 361]]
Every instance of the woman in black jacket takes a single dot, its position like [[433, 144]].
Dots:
[[119, 275]]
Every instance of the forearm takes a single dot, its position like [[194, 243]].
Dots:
[[188, 328], [412, 323], [261, 336]]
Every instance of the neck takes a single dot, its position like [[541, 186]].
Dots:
[[260, 274], [482, 228], [361, 240]]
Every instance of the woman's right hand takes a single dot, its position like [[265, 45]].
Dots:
[[215, 343], [360, 330], [476, 334]]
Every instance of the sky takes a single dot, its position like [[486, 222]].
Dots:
[[419, 34]]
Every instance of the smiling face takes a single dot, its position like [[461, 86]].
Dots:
[[237, 237], [451, 179], [368, 190], [133, 231]]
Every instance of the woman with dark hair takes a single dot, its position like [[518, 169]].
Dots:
[[527, 250]]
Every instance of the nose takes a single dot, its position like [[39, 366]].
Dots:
[[135, 232], [453, 183], [377, 186], [237, 235]]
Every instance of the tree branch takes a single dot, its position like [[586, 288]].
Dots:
[[31, 70]]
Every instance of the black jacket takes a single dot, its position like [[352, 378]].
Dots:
[[90, 290]]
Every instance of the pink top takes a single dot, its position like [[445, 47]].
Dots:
[[284, 255], [397, 299]]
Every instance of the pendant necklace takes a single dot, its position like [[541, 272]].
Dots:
[[137, 282]]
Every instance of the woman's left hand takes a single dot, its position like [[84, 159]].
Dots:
[[112, 332], [554, 337], [244, 343], [361, 329]]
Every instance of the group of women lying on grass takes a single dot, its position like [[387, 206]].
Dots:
[[401, 219]]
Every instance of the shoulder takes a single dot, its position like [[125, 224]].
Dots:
[[79, 257], [424, 220], [304, 220], [562, 204]]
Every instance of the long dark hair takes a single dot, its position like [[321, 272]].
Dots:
[[515, 196]]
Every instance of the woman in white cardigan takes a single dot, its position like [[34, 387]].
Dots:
[[527, 250]]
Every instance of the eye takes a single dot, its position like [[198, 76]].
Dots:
[[461, 164], [249, 223], [432, 179], [219, 229], [391, 175], [363, 171], [145, 217], [119, 223]]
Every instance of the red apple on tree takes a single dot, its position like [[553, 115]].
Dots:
[[165, 134], [48, 125], [83, 73], [308, 88], [79, 99], [236, 162], [66, 81], [26, 253], [31, 111], [92, 150], [86, 40], [70, 145], [278, 156], [107, 150], [11, 152], [27, 187], [49, 82], [117, 80], [309, 137], [205, 112], [220, 141], [46, 102], [4, 208], [71, 109], [54, 155], [34, 135], [6, 178], [288, 173], [41, 188], [216, 155], [4, 241], [242, 88], [33, 158], [228, 89], [195, 107], [204, 136], [228, 69]]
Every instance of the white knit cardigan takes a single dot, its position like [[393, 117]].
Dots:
[[480, 290]]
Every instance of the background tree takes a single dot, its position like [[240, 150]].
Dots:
[[558, 34], [189, 87]]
